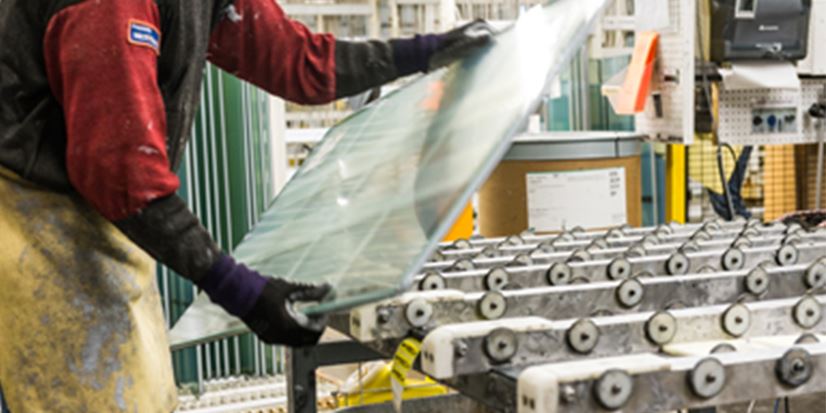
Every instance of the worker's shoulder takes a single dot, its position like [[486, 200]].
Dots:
[[23, 13], [189, 7], [51, 7], [44, 10]]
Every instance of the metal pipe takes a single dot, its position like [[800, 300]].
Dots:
[[225, 164], [584, 85], [225, 356], [195, 204], [263, 349], [236, 345], [216, 226], [252, 166], [819, 172], [167, 310], [818, 112], [206, 101], [199, 368], [245, 144], [256, 356], [208, 360]]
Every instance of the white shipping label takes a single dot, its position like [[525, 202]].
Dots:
[[563, 200]]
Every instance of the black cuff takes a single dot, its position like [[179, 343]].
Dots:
[[172, 234], [361, 66], [413, 55]]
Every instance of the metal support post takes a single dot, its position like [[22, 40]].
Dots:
[[819, 176], [584, 111], [818, 112], [303, 362]]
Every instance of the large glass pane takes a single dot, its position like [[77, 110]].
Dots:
[[382, 188]]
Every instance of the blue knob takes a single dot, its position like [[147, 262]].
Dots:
[[772, 121]]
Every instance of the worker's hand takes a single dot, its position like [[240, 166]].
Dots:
[[275, 320], [460, 42], [265, 304]]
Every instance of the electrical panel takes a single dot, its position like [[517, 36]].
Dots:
[[770, 116], [778, 120]]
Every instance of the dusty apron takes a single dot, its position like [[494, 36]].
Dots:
[[81, 327]]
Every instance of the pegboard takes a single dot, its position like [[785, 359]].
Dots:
[[673, 78], [736, 113]]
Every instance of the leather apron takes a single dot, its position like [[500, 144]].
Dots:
[[81, 325]]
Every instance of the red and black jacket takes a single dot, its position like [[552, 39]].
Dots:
[[97, 98]]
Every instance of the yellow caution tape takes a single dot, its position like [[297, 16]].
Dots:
[[404, 358]]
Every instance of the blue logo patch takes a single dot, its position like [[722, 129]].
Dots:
[[144, 34]]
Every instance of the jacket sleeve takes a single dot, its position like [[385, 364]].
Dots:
[[101, 61], [257, 42]]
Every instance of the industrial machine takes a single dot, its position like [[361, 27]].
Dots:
[[755, 45], [629, 319], [759, 29]]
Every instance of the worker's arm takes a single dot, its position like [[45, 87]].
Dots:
[[101, 60], [257, 42]]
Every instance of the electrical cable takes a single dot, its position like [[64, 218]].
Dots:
[[731, 151], [724, 182], [726, 189], [734, 185]]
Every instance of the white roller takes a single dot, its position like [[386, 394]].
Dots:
[[364, 319], [438, 352], [538, 387]]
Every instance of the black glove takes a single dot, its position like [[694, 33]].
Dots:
[[265, 304], [274, 320], [364, 65], [461, 42], [422, 53]]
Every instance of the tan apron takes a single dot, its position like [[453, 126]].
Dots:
[[81, 326]]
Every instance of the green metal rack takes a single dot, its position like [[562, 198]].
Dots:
[[226, 179]]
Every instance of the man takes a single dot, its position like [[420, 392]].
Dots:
[[98, 98]]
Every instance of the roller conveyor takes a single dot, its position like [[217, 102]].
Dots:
[[394, 318], [473, 348], [701, 239], [616, 320], [519, 255], [650, 383], [532, 274], [577, 238]]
